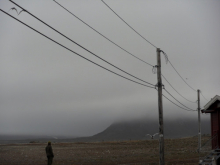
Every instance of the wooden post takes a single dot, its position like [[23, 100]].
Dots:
[[199, 122], [160, 108]]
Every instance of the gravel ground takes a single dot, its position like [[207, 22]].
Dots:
[[177, 151]]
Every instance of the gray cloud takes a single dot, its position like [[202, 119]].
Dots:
[[46, 89]]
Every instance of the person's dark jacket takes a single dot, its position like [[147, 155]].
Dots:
[[49, 151]]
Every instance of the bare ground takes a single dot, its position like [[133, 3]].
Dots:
[[177, 152]]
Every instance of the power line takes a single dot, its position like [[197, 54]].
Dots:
[[203, 96], [179, 101], [176, 104], [176, 90], [82, 46], [181, 76], [74, 51], [153, 46], [178, 72], [145, 40], [102, 34], [113, 43], [166, 57], [128, 24]]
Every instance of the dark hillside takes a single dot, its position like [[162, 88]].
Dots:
[[129, 130], [136, 130]]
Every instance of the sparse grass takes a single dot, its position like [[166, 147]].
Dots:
[[177, 152]]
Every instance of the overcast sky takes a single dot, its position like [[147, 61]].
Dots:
[[48, 90]]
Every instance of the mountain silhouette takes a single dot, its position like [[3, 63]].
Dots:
[[137, 129]]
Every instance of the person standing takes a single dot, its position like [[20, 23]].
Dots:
[[49, 152]]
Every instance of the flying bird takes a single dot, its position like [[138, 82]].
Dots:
[[13, 8], [21, 11], [152, 136]]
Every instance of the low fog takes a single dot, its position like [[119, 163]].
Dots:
[[48, 90]]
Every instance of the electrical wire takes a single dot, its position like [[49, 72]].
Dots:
[[81, 45], [179, 101], [101, 34], [178, 72], [147, 41], [154, 71], [176, 104], [74, 51], [181, 76], [128, 24], [166, 57], [176, 90], [116, 45], [203, 96]]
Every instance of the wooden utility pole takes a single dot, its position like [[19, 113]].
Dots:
[[199, 122], [160, 108]]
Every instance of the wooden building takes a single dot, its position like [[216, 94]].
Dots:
[[213, 107]]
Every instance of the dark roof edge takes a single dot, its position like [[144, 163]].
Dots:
[[207, 111]]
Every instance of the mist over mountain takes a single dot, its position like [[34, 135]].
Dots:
[[137, 129], [130, 129]]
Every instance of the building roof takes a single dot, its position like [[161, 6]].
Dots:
[[212, 101]]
